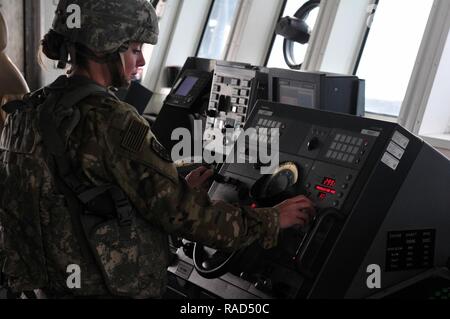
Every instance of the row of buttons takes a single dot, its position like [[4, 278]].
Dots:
[[233, 81], [270, 124], [262, 138], [349, 140], [340, 156], [239, 109], [345, 148], [235, 100], [237, 92], [215, 96], [348, 149], [319, 132]]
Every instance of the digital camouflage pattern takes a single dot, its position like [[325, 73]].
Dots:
[[111, 144], [107, 24]]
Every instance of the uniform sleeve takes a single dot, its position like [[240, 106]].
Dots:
[[143, 169]]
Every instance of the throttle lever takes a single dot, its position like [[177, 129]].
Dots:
[[242, 189], [221, 179]]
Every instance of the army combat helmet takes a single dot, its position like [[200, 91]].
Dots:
[[106, 26]]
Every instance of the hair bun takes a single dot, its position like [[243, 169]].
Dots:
[[51, 45]]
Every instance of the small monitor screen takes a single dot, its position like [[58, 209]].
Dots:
[[296, 93], [186, 86]]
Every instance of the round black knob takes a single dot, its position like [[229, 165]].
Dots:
[[212, 113], [313, 144], [244, 275], [263, 284]]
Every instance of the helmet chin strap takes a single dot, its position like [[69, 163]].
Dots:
[[117, 71]]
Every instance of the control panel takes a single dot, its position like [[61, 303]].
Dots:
[[235, 89], [317, 158], [368, 180]]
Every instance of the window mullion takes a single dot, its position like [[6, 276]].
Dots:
[[427, 63]]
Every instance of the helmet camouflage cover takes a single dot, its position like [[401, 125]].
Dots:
[[105, 25]]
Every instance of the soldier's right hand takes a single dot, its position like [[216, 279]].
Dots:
[[296, 211], [198, 177]]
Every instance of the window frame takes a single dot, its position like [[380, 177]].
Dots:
[[205, 26], [274, 35], [320, 47], [381, 116], [255, 17], [290, 43], [425, 71], [364, 41]]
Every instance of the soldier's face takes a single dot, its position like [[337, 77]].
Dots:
[[133, 59]]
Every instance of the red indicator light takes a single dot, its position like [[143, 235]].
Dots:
[[325, 190], [253, 206], [322, 196], [329, 182]]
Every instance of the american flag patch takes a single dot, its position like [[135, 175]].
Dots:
[[134, 138]]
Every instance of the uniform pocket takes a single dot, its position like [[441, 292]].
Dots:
[[116, 249]]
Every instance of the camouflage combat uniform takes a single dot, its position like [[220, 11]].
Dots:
[[107, 143], [112, 144]]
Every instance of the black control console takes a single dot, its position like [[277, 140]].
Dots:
[[381, 199]]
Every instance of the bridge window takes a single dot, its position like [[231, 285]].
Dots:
[[298, 51], [218, 29], [390, 53], [435, 126]]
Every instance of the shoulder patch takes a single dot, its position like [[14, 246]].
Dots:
[[134, 138], [160, 150]]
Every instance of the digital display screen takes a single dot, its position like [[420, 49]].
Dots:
[[297, 94], [186, 86], [325, 190]]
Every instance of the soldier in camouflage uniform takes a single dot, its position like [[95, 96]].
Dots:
[[108, 143]]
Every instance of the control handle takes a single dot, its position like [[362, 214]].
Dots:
[[323, 232]]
